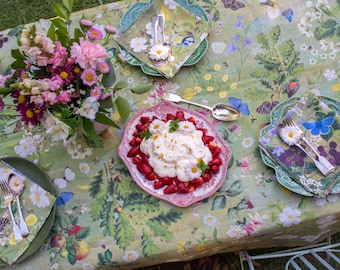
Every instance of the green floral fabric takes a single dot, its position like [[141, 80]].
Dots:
[[37, 204], [260, 53]]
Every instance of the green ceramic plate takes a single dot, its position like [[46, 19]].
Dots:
[[275, 115], [136, 10], [40, 177]]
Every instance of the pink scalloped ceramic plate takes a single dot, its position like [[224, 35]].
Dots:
[[178, 199]]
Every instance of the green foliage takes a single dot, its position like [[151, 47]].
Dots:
[[105, 259], [280, 62], [149, 248], [167, 218], [124, 232]]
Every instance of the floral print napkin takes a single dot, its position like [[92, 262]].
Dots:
[[321, 126], [184, 32], [36, 205]]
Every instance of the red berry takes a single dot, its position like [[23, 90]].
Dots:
[[216, 152], [170, 116], [151, 176], [206, 177], [170, 189], [134, 151], [136, 160], [182, 188], [207, 139], [180, 115], [166, 180], [135, 133], [192, 120], [144, 168], [157, 184], [215, 169], [140, 128], [215, 161], [145, 120], [197, 182]]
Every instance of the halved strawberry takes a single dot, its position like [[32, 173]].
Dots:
[[166, 180], [170, 189], [197, 181], [151, 176], [134, 151], [215, 169], [170, 116], [192, 120], [182, 188], [144, 120], [135, 134], [157, 184], [180, 115], [144, 168], [215, 161], [141, 128], [207, 139], [206, 177], [216, 152], [136, 160]]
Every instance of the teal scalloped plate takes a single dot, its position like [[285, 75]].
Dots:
[[136, 10], [40, 177], [275, 115]]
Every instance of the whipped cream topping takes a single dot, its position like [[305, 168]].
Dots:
[[175, 153]]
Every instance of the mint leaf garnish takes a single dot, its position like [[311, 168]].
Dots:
[[174, 125]]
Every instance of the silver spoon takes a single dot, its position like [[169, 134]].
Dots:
[[222, 112], [23, 226]]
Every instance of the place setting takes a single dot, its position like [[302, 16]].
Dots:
[[162, 37], [301, 144], [27, 209]]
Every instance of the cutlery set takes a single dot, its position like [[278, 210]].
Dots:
[[323, 165], [158, 21], [21, 230]]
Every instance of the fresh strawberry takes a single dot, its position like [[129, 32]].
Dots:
[[191, 188], [180, 115], [135, 134], [144, 120], [197, 182], [207, 139], [212, 147], [182, 188], [144, 168], [151, 176], [157, 184], [206, 177], [170, 116], [140, 128], [192, 120], [133, 142], [138, 140], [166, 180], [215, 161], [170, 189], [204, 131], [134, 151], [216, 152], [215, 169], [136, 160]]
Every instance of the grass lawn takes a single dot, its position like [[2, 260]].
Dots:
[[18, 12]]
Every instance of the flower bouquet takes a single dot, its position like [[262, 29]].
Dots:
[[64, 82]]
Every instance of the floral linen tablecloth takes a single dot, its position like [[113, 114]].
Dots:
[[260, 53]]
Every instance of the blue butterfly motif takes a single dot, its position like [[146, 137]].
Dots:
[[320, 127], [237, 103], [288, 14], [63, 198]]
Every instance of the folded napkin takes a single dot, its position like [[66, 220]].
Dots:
[[36, 205], [321, 126], [183, 31]]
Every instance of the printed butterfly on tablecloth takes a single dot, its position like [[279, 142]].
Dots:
[[63, 198], [3, 223], [288, 14], [233, 4], [266, 107], [319, 127], [61, 182], [238, 104]]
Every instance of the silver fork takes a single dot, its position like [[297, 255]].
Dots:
[[330, 167], [8, 199]]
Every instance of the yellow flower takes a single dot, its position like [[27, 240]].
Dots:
[[197, 89], [180, 247], [223, 94], [200, 247], [12, 241], [233, 85], [336, 87], [225, 77], [189, 93], [210, 88], [207, 76], [217, 67], [127, 72], [31, 219]]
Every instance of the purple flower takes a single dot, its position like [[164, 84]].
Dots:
[[278, 150], [265, 140], [247, 42], [231, 48], [236, 38], [238, 24]]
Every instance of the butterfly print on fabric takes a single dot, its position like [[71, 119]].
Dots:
[[266, 107], [320, 127], [238, 104], [233, 4], [61, 182], [63, 198], [288, 14]]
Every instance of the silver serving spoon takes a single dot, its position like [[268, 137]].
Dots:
[[222, 112]]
